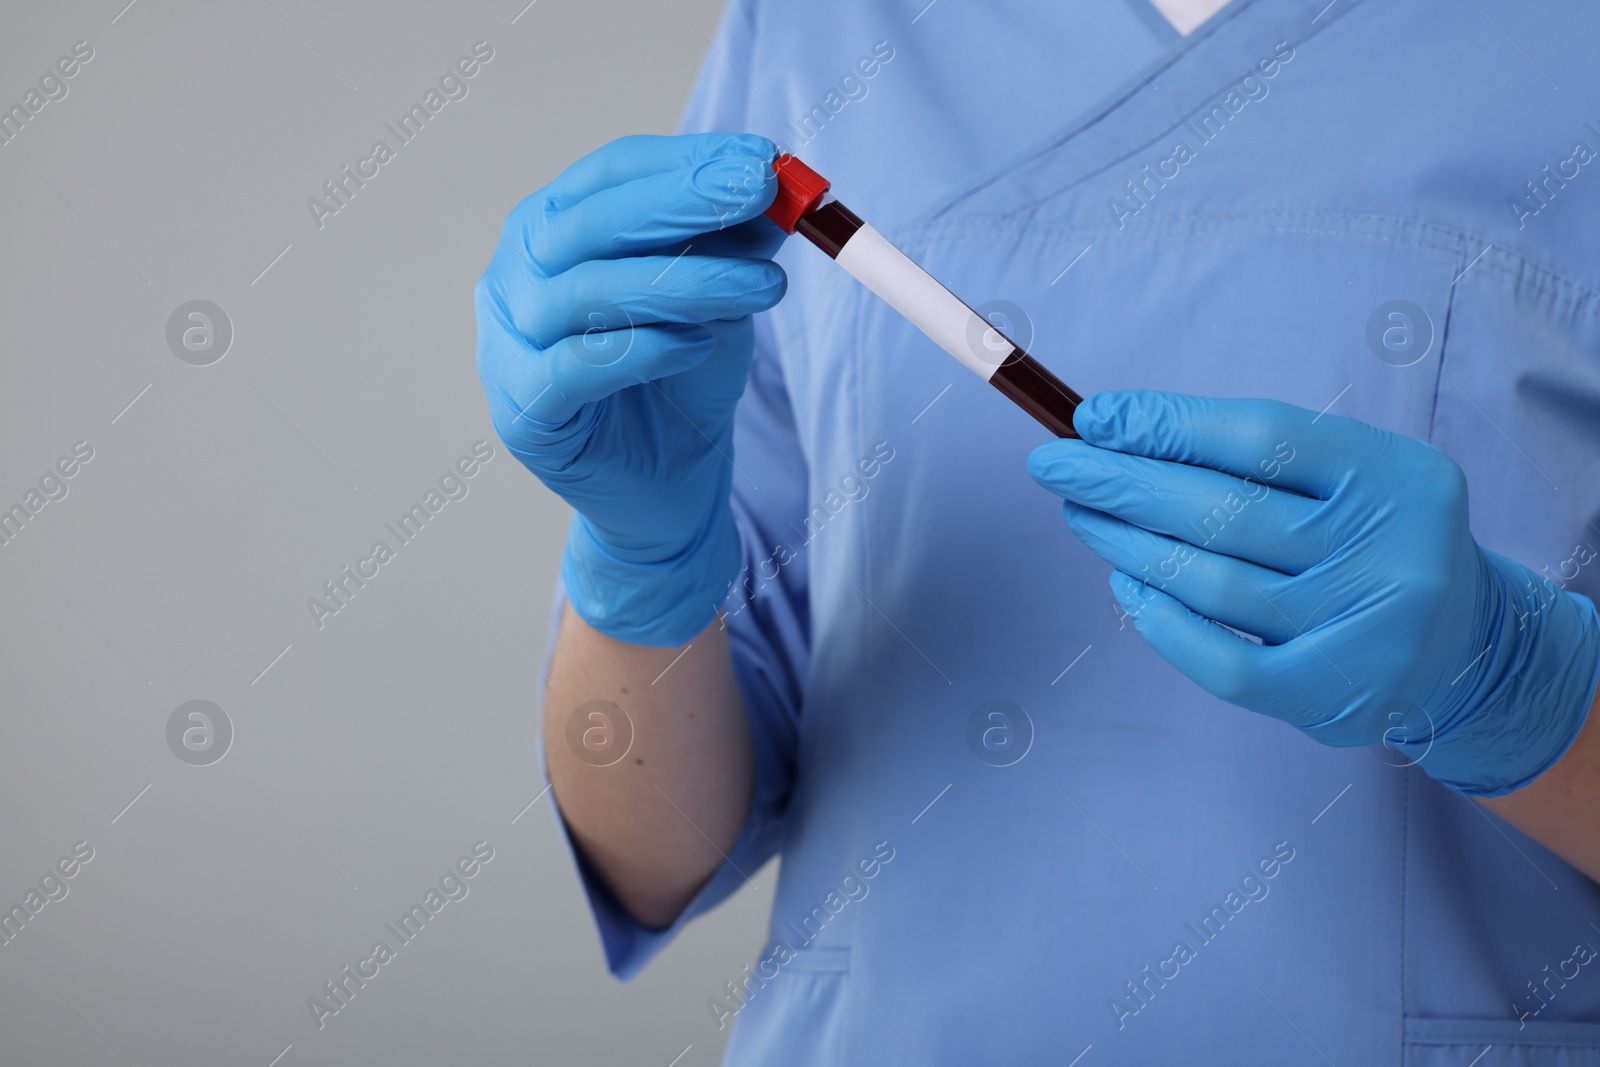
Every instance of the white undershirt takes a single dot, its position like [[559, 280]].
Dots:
[[1186, 15]]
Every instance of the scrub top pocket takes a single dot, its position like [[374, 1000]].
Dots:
[[802, 1014], [1455, 1042]]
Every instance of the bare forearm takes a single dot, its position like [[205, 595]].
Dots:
[[1561, 808], [656, 822]]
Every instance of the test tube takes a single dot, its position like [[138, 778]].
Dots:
[[803, 205]]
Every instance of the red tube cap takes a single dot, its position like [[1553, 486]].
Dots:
[[799, 189]]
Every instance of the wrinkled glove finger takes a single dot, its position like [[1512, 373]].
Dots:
[[1248, 519], [1301, 450], [602, 295], [1233, 592], [643, 215]]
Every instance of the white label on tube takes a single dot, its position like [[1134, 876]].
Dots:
[[929, 306]]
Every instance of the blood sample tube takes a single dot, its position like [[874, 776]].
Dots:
[[804, 206]]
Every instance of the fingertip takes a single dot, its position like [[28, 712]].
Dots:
[[765, 283], [1214, 657], [688, 335], [1040, 461], [769, 275], [1124, 587], [739, 187], [1050, 462], [1101, 417], [1145, 422], [777, 282], [1132, 595], [748, 144], [1090, 416], [759, 283], [1076, 515]]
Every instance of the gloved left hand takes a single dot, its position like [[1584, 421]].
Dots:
[[1346, 550]]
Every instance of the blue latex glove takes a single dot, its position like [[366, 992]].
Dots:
[[1345, 549], [614, 339]]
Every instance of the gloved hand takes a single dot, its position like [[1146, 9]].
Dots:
[[1346, 550], [614, 339]]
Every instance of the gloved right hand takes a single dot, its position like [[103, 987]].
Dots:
[[614, 339]]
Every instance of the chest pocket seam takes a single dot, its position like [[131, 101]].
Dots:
[[1515, 267]]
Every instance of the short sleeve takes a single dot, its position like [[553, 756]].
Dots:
[[767, 610]]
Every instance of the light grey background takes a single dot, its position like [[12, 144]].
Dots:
[[370, 754]]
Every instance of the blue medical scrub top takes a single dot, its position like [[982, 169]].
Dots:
[[1009, 831]]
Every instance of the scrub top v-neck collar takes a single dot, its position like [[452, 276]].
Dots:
[[1156, 99], [1161, 23], [1155, 21]]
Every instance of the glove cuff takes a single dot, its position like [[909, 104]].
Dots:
[[1531, 690], [663, 603]]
